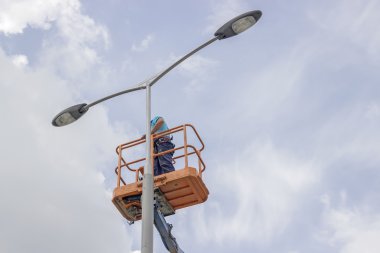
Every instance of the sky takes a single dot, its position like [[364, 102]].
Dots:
[[289, 111]]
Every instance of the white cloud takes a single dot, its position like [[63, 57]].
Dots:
[[356, 21], [74, 53], [263, 186], [196, 65], [197, 69], [72, 50], [20, 60], [351, 230], [62, 204], [144, 44], [51, 190], [16, 15], [284, 95], [373, 111]]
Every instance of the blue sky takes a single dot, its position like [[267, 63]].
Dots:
[[289, 111]]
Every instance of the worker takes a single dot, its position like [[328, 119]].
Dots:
[[163, 163]]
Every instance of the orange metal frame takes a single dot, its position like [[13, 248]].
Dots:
[[123, 163]]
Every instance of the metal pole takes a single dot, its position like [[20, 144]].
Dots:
[[147, 193]]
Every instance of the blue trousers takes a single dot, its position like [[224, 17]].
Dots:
[[163, 164]]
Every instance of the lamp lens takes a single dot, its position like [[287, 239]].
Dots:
[[65, 119], [243, 24]]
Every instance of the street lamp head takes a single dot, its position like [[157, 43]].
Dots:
[[69, 115], [238, 24]]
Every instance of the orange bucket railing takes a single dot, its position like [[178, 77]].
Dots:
[[124, 163]]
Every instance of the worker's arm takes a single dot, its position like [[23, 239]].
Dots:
[[157, 126]]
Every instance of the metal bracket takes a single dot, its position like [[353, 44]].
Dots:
[[162, 204]]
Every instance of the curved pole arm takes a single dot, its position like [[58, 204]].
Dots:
[[181, 60], [85, 108], [139, 86], [73, 113], [151, 80]]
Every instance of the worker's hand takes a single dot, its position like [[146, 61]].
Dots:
[[143, 137]]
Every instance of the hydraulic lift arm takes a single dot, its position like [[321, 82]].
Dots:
[[164, 229], [161, 209]]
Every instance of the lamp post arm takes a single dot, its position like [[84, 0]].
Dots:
[[181, 60], [151, 80], [112, 96]]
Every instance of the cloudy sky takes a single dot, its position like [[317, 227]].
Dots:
[[289, 111]]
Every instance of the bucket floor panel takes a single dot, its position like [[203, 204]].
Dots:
[[181, 188]]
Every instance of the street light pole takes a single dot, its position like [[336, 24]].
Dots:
[[233, 27], [147, 190]]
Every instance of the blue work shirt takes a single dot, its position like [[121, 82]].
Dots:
[[153, 122]]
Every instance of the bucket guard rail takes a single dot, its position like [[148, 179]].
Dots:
[[186, 147]]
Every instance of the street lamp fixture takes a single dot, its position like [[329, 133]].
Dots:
[[233, 27], [69, 115], [238, 25]]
